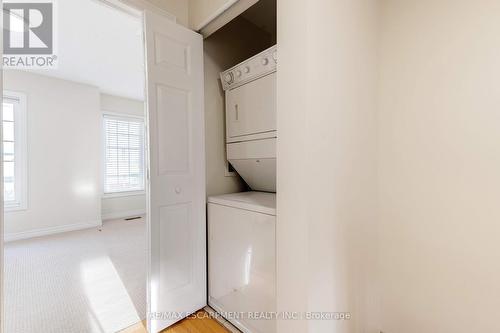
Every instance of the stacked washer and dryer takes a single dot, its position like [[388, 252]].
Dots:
[[242, 226]]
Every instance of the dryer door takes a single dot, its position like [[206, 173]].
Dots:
[[251, 108]]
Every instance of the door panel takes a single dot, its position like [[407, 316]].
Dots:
[[171, 52], [174, 130], [176, 205], [251, 108], [176, 250]]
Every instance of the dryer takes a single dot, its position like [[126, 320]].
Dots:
[[251, 119]]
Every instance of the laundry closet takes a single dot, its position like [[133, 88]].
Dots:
[[240, 107]]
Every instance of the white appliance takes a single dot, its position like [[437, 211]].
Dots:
[[242, 226], [251, 119], [242, 258]]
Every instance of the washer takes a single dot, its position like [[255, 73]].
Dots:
[[242, 259]]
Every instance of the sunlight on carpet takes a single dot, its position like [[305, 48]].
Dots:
[[86, 281]]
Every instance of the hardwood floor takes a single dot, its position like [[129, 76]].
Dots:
[[201, 324], [137, 328]]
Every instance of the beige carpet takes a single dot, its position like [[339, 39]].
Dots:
[[77, 282]]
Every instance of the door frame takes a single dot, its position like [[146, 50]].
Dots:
[[138, 7], [2, 308], [135, 8]]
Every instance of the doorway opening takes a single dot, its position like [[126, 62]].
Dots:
[[85, 153], [74, 163]]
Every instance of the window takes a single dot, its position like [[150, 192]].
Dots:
[[124, 154], [14, 151]]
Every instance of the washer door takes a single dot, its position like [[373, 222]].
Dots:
[[242, 265]]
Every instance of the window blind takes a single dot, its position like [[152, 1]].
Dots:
[[124, 154]]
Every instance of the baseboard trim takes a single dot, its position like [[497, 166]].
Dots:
[[15, 236], [123, 214], [221, 320]]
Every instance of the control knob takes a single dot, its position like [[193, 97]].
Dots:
[[229, 77], [265, 61]]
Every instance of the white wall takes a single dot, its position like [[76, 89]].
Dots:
[[122, 206], [202, 10], [227, 47], [440, 165], [122, 105], [178, 8], [64, 169], [326, 227]]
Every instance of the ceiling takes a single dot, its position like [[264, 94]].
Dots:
[[100, 46]]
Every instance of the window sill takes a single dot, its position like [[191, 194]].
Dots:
[[122, 194], [14, 208]]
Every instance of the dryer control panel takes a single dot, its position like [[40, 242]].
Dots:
[[251, 69]]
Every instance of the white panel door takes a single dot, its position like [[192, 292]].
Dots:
[[177, 276]]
